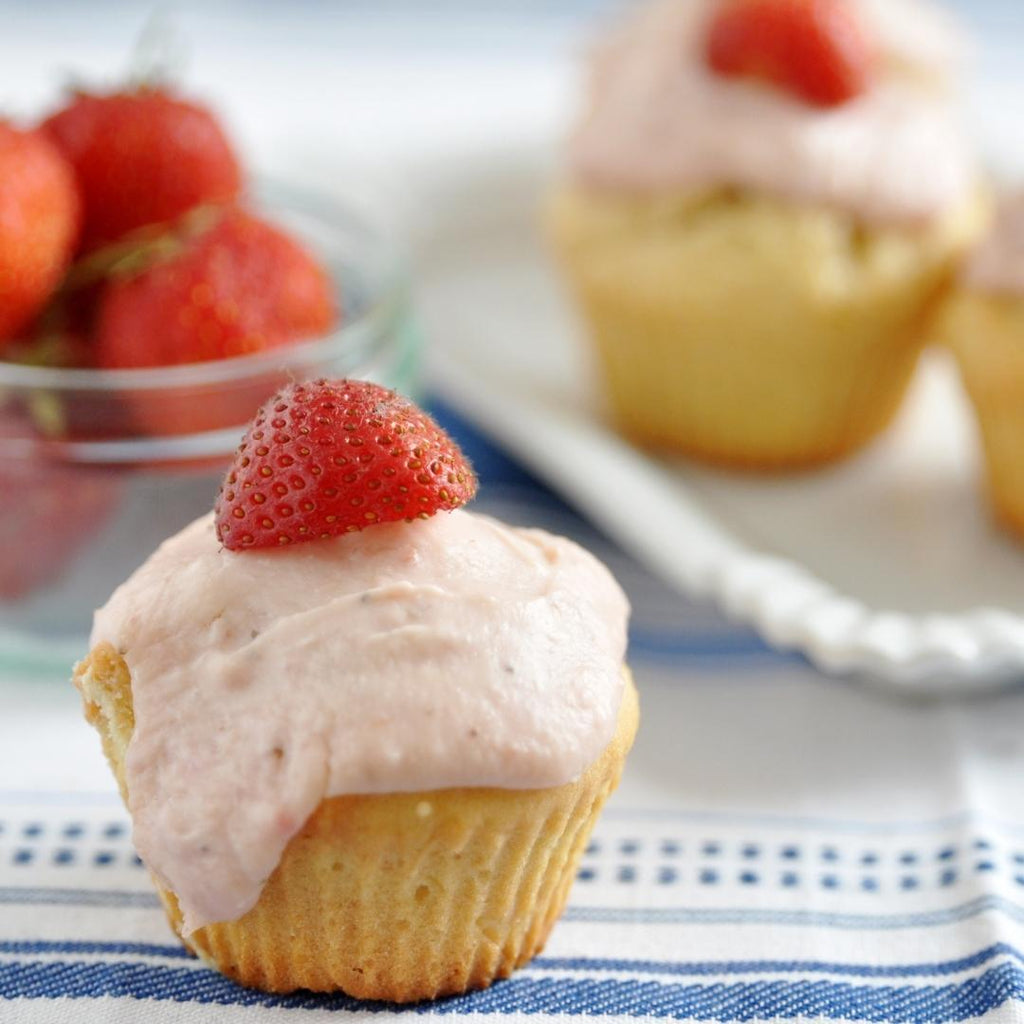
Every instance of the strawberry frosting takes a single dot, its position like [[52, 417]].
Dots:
[[447, 652], [659, 120]]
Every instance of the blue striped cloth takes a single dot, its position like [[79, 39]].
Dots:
[[784, 847]]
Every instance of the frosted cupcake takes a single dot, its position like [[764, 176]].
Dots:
[[984, 325], [763, 200], [364, 760]]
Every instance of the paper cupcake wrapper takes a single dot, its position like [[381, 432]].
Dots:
[[406, 896], [749, 332], [987, 335]]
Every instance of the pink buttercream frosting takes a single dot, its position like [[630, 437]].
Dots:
[[659, 120], [448, 652], [997, 264]]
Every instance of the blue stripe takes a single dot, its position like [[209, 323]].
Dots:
[[497, 498], [674, 646], [716, 968], [710, 968], [740, 1001], [21, 947]]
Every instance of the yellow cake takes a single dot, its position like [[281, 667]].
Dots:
[[750, 331], [983, 324]]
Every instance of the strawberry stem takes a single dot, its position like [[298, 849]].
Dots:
[[156, 243]]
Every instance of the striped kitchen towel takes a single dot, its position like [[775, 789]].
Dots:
[[784, 847]]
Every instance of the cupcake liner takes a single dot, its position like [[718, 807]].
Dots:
[[403, 896], [986, 333], [749, 332]]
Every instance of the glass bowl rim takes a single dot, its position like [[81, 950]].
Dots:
[[388, 289]]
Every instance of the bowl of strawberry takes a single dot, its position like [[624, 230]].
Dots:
[[150, 301]]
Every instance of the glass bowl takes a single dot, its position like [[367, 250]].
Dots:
[[99, 466]]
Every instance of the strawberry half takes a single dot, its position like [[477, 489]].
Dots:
[[331, 457], [817, 50]]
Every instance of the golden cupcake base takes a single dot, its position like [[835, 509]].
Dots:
[[986, 333], [400, 897], [749, 332]]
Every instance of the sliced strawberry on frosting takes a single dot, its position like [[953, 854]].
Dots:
[[817, 50], [331, 457]]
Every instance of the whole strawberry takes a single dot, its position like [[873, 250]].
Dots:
[[142, 158], [242, 286], [817, 50], [332, 457], [39, 220]]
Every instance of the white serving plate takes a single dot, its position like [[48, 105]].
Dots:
[[886, 566]]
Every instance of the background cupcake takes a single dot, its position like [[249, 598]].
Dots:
[[764, 198], [984, 325]]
